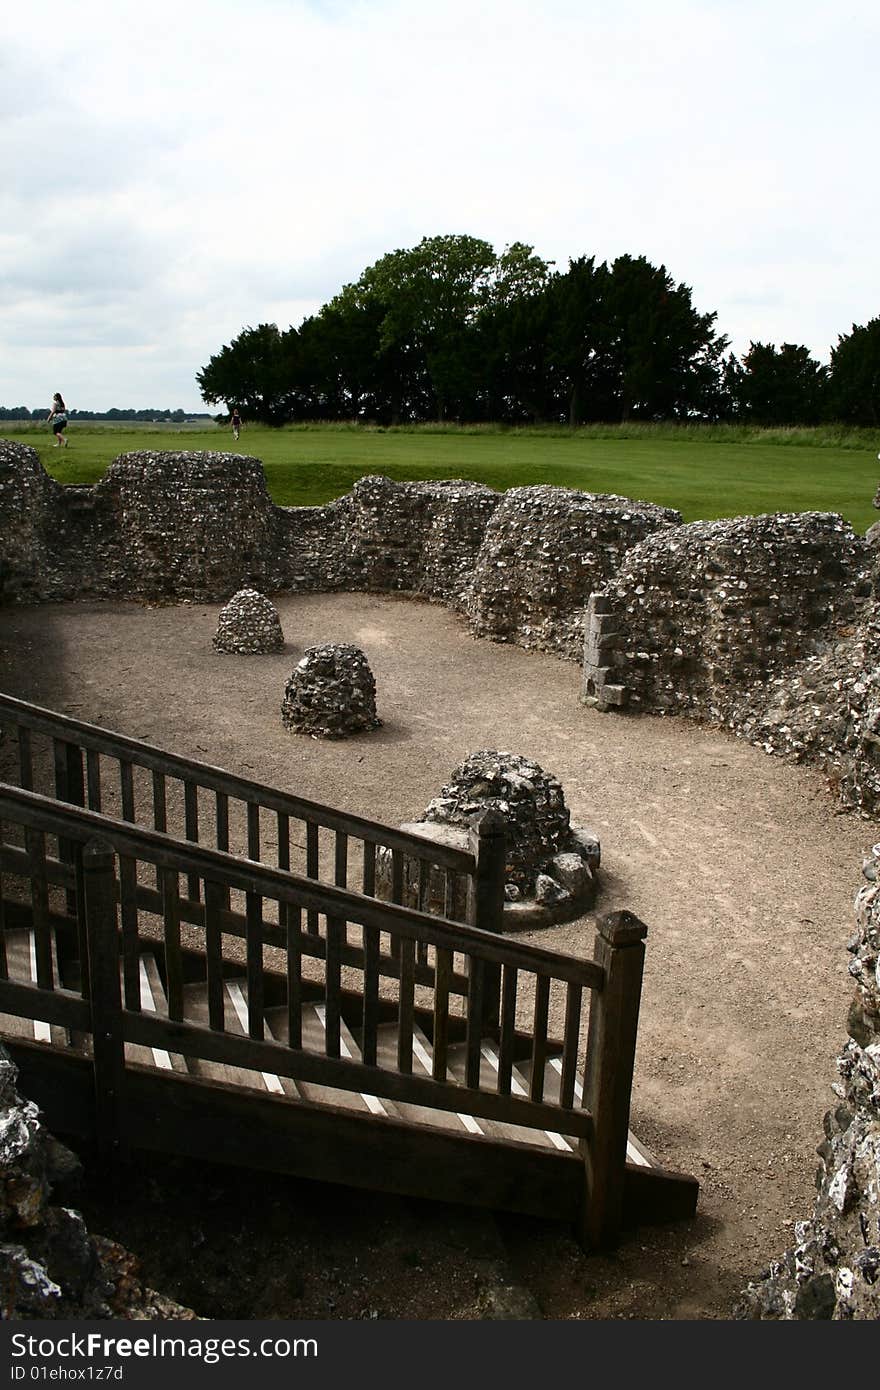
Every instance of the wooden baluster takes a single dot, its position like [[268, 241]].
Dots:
[[126, 783], [102, 964], [333, 985], [312, 870], [93, 778], [191, 831], [222, 826], [405, 1004], [69, 787], [371, 993], [173, 960], [369, 875], [509, 977], [293, 917], [397, 871], [253, 831], [283, 828], [570, 1037], [474, 1032], [539, 1036], [450, 895], [254, 921], [129, 919], [35, 845], [340, 869], [160, 814], [215, 901], [611, 1046], [442, 981], [424, 894], [25, 759]]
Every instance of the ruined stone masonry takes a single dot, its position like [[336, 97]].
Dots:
[[331, 693], [249, 624], [833, 1268], [50, 1266]]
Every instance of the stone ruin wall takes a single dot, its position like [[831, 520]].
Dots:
[[833, 1269], [698, 614], [199, 526], [546, 549]]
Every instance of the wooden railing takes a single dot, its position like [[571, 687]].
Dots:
[[114, 889], [133, 781]]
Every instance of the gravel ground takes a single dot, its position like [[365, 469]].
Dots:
[[740, 865]]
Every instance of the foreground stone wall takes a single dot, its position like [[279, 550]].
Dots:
[[833, 1269], [699, 615], [50, 1266]]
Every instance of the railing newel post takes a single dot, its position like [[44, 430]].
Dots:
[[611, 1048], [487, 838]]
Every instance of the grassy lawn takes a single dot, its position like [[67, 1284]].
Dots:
[[705, 473]]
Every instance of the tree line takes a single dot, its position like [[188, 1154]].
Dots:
[[22, 412], [451, 330]]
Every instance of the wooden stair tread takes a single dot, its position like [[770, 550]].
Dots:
[[497, 1129], [152, 996], [313, 1040], [386, 1056], [21, 963], [235, 1019], [635, 1150]]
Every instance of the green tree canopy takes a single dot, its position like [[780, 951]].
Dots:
[[855, 375]]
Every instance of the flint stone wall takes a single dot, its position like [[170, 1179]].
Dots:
[[50, 1266], [833, 1269], [546, 549], [698, 616]]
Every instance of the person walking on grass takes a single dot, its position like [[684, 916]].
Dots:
[[58, 418], [236, 423]]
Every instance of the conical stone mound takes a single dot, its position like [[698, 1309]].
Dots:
[[249, 624], [331, 693]]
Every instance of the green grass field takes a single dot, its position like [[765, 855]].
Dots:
[[705, 472]]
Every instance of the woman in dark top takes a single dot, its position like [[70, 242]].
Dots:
[[58, 417]]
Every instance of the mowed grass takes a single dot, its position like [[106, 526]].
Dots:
[[705, 474]]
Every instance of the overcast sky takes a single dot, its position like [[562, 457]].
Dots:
[[175, 171]]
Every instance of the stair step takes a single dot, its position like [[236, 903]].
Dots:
[[497, 1129], [635, 1150], [152, 996], [21, 963], [235, 1017], [314, 1040], [423, 1061]]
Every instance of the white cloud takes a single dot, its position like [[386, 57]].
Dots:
[[175, 172]]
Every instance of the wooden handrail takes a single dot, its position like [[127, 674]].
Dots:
[[98, 740], [74, 822]]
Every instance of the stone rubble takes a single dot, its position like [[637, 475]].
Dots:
[[331, 693], [249, 623], [549, 863], [50, 1266]]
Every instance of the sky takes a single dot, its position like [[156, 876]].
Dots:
[[174, 172]]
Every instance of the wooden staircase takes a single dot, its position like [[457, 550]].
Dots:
[[163, 987]]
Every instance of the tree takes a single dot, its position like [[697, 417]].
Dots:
[[784, 386], [255, 372], [855, 375]]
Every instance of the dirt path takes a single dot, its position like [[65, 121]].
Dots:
[[737, 862]]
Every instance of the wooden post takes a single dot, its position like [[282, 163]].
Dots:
[[99, 890], [488, 844], [69, 786], [611, 1048]]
